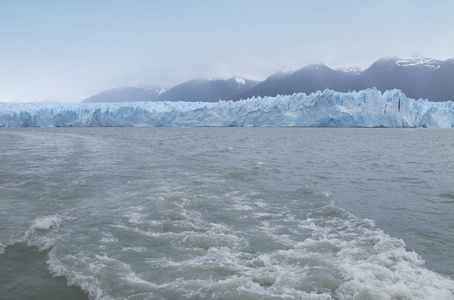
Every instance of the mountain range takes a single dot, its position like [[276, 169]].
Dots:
[[126, 94], [208, 90], [418, 78]]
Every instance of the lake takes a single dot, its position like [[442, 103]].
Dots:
[[226, 213]]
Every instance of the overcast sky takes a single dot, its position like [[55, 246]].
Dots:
[[66, 51]]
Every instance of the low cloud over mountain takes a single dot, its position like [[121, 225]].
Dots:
[[126, 94], [208, 90], [417, 78]]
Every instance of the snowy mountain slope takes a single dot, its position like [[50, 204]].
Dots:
[[417, 78], [419, 61], [309, 79], [411, 76], [439, 86]]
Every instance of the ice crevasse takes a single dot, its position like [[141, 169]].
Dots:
[[367, 108]]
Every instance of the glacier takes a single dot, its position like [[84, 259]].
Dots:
[[367, 108]]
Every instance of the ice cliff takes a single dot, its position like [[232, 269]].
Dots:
[[367, 108]]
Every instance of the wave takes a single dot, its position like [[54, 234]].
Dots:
[[330, 254]]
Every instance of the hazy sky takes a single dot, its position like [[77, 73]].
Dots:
[[66, 51]]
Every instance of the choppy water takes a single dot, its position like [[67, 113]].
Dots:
[[226, 213]]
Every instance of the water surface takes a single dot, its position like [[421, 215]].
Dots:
[[227, 213]]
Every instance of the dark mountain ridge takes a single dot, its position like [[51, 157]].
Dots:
[[422, 78], [308, 79], [126, 94], [417, 78], [208, 90]]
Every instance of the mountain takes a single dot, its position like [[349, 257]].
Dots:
[[439, 86], [417, 78], [126, 94], [208, 90], [307, 80], [413, 77], [387, 74]]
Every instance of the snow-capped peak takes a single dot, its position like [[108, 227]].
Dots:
[[239, 80], [159, 91], [349, 69], [419, 61], [286, 71], [290, 70]]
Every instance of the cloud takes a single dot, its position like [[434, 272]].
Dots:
[[69, 50]]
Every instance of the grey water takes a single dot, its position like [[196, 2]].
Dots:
[[226, 213]]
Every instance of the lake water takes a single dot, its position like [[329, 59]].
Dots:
[[226, 213]]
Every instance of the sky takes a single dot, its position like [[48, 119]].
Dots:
[[69, 50]]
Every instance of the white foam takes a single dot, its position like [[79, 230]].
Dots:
[[74, 269], [135, 218], [242, 207], [108, 238], [35, 235], [134, 249], [45, 223], [327, 194], [390, 272], [132, 278], [334, 256]]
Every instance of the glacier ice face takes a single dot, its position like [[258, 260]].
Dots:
[[368, 108]]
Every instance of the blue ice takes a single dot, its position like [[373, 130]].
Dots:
[[367, 108]]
